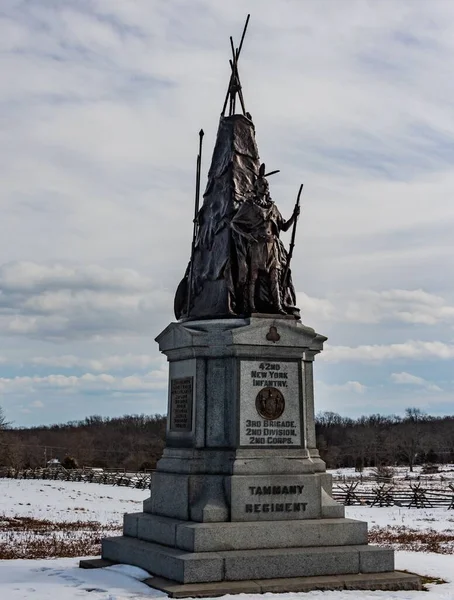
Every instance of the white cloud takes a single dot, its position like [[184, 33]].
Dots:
[[58, 302], [371, 307], [348, 386], [88, 383], [105, 363], [410, 350], [409, 379], [27, 276], [318, 308], [409, 306]]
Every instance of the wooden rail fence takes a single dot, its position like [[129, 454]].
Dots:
[[139, 480], [355, 493], [406, 495]]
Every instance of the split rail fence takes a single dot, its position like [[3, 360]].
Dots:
[[410, 495], [418, 495], [139, 480]]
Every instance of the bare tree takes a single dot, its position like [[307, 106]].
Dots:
[[4, 424], [411, 437]]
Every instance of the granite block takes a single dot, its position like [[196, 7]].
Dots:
[[373, 559], [202, 590], [273, 461], [294, 562], [395, 580], [360, 581], [154, 528], [219, 389], [147, 505], [185, 567], [196, 461], [292, 334], [275, 497], [205, 537], [130, 522], [302, 584], [170, 495], [208, 502], [330, 508]]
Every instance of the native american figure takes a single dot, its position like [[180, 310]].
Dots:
[[259, 221]]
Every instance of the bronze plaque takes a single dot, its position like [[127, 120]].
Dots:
[[181, 404], [270, 403]]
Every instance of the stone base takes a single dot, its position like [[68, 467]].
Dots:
[[238, 565], [191, 552], [260, 535], [393, 580]]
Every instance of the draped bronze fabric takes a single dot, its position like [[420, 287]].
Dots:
[[218, 274]]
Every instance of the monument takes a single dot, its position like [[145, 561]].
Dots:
[[240, 500]]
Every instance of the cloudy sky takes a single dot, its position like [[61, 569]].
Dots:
[[100, 105]]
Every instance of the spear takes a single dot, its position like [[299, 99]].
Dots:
[[292, 241], [234, 66], [196, 221]]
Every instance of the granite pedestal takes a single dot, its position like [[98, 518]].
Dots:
[[240, 494]]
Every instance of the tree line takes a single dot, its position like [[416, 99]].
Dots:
[[135, 442], [131, 442], [376, 440]]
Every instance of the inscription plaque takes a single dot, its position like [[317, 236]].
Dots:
[[275, 498], [181, 404], [270, 404]]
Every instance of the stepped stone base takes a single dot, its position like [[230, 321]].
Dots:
[[188, 558], [190, 552], [394, 580], [238, 565]]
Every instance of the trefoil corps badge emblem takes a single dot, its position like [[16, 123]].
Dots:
[[270, 403]]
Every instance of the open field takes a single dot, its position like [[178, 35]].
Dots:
[[49, 519], [55, 522]]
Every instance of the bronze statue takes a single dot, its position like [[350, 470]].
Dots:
[[238, 264], [259, 221]]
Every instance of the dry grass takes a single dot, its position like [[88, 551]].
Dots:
[[405, 538], [26, 537]]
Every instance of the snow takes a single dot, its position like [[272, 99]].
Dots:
[[61, 579], [438, 519], [68, 500], [445, 473]]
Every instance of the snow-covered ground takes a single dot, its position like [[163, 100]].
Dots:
[[68, 500], [438, 519], [61, 579], [445, 473]]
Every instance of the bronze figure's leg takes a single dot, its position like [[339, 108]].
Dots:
[[254, 262], [252, 283], [275, 291]]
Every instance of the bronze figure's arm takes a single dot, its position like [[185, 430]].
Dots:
[[285, 226]]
